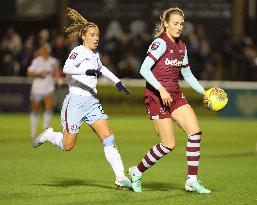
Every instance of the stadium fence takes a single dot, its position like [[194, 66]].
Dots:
[[15, 91]]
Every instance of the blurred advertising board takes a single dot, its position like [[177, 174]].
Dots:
[[14, 94], [15, 91], [242, 102]]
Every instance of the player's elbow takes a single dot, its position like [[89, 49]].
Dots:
[[142, 71]]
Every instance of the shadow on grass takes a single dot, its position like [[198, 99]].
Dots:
[[228, 155], [76, 182], [161, 186], [148, 186]]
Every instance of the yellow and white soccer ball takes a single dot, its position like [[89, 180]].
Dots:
[[215, 99]]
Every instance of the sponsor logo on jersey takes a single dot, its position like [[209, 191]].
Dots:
[[174, 62], [73, 56], [155, 45], [171, 51]]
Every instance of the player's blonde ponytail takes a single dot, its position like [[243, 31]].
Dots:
[[79, 25], [164, 17]]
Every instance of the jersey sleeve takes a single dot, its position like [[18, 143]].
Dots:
[[191, 80], [33, 66], [73, 62], [185, 62], [154, 53], [156, 49], [146, 72], [106, 72]]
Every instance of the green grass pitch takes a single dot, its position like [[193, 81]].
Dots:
[[47, 175]]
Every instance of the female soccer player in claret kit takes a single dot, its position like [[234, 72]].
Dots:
[[164, 101], [82, 68]]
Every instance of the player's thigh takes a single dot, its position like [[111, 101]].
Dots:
[[186, 119], [35, 105], [166, 132], [156, 128], [102, 129], [48, 101]]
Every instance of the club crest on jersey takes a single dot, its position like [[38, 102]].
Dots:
[[73, 56], [174, 62], [181, 52], [155, 45]]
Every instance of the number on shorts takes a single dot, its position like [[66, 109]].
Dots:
[[101, 109]]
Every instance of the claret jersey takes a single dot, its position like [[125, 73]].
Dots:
[[170, 58]]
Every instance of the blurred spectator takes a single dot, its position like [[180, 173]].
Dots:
[[250, 55], [193, 48], [44, 36], [106, 60], [7, 63], [12, 41], [123, 49], [59, 49], [129, 65], [27, 54], [208, 72]]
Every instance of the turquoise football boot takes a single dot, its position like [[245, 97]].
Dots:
[[197, 187], [136, 180]]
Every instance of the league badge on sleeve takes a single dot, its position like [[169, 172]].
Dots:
[[155, 45], [73, 56]]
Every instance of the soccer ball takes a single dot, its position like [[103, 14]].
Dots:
[[215, 99]]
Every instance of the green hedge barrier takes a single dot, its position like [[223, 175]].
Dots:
[[115, 102]]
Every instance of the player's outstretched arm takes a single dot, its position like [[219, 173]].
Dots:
[[191, 80], [119, 85]]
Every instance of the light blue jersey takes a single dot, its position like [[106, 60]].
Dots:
[[79, 109]]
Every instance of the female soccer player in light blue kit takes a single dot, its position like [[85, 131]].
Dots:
[[82, 68]]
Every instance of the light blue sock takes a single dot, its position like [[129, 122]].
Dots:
[[109, 141], [113, 157]]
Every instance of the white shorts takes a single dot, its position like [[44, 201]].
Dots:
[[39, 97], [78, 109]]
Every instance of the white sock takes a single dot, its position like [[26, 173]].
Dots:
[[113, 157], [56, 139], [137, 172], [46, 119], [191, 178], [33, 123]]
